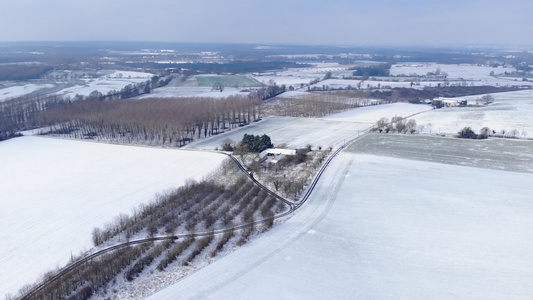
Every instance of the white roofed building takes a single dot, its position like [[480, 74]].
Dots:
[[273, 155]]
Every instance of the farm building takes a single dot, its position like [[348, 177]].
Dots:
[[274, 155], [449, 102]]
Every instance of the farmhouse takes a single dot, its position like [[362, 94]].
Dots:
[[449, 102], [273, 155]]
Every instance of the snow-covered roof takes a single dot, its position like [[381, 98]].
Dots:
[[277, 151], [450, 100], [274, 159]]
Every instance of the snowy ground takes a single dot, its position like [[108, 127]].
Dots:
[[387, 228], [199, 91], [466, 71], [14, 91], [299, 76], [472, 74], [116, 80], [54, 192], [106, 82], [494, 153], [371, 114], [457, 74], [510, 110], [331, 131], [190, 88]]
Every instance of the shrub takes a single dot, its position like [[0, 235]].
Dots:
[[467, 133]]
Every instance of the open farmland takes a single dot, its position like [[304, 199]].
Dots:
[[455, 71], [509, 111], [191, 87], [381, 227], [105, 82], [303, 76], [294, 132], [10, 91], [332, 131], [227, 81], [54, 192], [72, 84], [497, 154]]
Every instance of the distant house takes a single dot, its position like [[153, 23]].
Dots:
[[274, 155], [449, 102]]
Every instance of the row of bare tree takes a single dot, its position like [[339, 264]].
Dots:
[[19, 113], [84, 281], [196, 206], [316, 105], [157, 121]]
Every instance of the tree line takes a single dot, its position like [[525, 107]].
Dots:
[[270, 91], [233, 67], [129, 91], [155, 121], [485, 132], [19, 114], [374, 70], [23, 72], [318, 104], [23, 113], [396, 124]]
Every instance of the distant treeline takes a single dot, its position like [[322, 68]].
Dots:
[[234, 67], [374, 70], [20, 113], [407, 94], [316, 105], [129, 91], [157, 121], [23, 72]]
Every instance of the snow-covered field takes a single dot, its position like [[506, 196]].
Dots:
[[54, 192], [457, 74], [494, 153], [387, 228], [188, 91], [116, 80], [298, 76], [332, 131], [370, 114], [191, 88], [466, 71], [472, 74], [353, 83], [104, 82], [510, 110], [21, 90]]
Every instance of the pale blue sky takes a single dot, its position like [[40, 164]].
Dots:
[[376, 22]]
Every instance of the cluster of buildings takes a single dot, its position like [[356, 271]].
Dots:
[[274, 155], [447, 102]]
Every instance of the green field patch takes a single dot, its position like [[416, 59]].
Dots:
[[227, 81], [498, 154]]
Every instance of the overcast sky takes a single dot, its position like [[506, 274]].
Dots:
[[370, 22]]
